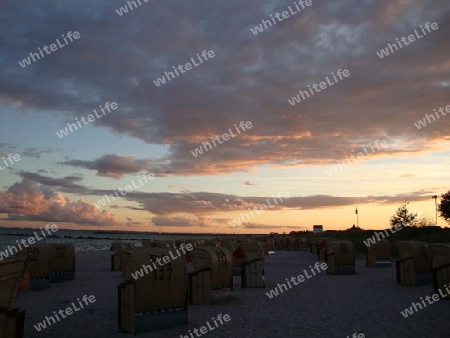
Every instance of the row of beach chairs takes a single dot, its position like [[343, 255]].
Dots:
[[423, 263], [33, 267], [419, 263], [48, 263], [204, 275], [11, 319], [338, 254]]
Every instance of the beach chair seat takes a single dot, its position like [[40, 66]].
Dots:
[[292, 244], [117, 247], [211, 281], [280, 243], [340, 257], [38, 265], [157, 298], [415, 265], [252, 270], [238, 256], [11, 320], [62, 260], [302, 244], [441, 269], [269, 245], [379, 255], [322, 249], [11, 323]]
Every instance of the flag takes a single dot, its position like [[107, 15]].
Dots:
[[356, 210]]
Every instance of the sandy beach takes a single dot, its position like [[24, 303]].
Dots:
[[322, 306]]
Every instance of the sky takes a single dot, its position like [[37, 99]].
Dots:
[[352, 141]]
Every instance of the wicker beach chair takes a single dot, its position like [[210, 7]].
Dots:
[[116, 258], [155, 297], [441, 268], [415, 264], [11, 320], [252, 269]]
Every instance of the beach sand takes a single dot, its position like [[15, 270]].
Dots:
[[322, 306]]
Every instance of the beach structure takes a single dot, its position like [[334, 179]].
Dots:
[[340, 257], [212, 243], [11, 320], [117, 247], [415, 264], [38, 265], [242, 239], [252, 269], [179, 242], [200, 241], [280, 243], [269, 245], [441, 266], [313, 245], [322, 248], [62, 261], [292, 243], [238, 256], [211, 281], [302, 244], [379, 255], [157, 298], [192, 241]]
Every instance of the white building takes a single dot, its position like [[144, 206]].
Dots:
[[317, 228]]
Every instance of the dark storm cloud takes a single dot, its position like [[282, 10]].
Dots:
[[112, 165], [65, 184], [204, 203], [250, 79]]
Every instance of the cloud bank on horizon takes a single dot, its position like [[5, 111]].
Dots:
[[251, 77]]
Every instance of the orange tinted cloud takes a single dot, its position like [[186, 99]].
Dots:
[[40, 203]]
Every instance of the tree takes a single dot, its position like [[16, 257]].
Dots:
[[403, 216], [425, 221], [444, 206]]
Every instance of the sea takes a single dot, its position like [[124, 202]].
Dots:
[[85, 240]]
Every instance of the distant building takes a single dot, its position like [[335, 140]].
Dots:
[[317, 228]]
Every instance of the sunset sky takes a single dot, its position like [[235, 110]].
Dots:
[[289, 149]]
